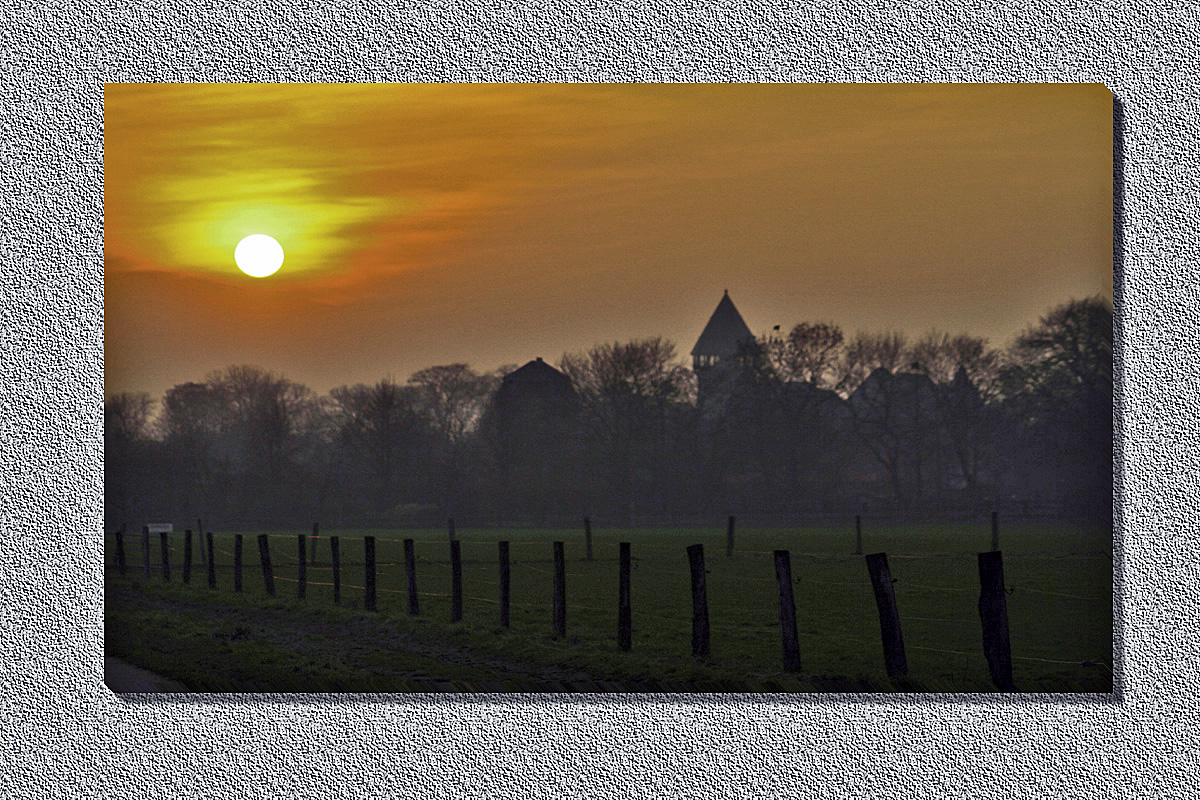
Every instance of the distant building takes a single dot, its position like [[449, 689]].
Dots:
[[536, 381], [533, 405], [535, 413], [717, 353], [923, 438]]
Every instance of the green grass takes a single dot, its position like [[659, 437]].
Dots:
[[1060, 607]]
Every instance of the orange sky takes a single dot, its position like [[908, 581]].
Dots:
[[489, 224]]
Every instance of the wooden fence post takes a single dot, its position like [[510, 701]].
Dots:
[[336, 558], [120, 551], [187, 556], [729, 537], [993, 611], [560, 591], [166, 556], [700, 632], [212, 561], [889, 618], [301, 566], [995, 531], [264, 555], [858, 535], [505, 585], [450, 525], [200, 535], [587, 536], [410, 570], [316, 534], [237, 562], [369, 582], [455, 581], [146, 551], [787, 611], [624, 609]]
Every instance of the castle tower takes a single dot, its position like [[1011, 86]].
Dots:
[[720, 344]]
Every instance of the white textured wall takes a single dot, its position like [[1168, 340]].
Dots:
[[63, 734]]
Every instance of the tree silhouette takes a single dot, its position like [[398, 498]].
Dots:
[[631, 394], [453, 399], [241, 440], [810, 353], [941, 356], [128, 455], [1059, 399], [382, 431], [896, 416], [867, 352], [806, 421]]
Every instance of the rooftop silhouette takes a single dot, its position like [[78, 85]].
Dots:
[[724, 334]]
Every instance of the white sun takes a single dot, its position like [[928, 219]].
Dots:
[[258, 255]]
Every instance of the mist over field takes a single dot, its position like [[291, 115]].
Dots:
[[781, 427]]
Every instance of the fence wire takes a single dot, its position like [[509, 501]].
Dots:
[[853, 601]]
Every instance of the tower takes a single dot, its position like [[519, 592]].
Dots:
[[535, 412], [724, 338]]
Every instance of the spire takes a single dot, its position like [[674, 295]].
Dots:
[[724, 333]]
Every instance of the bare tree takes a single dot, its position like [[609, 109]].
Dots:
[[643, 370], [631, 393], [941, 355], [270, 415], [198, 452], [809, 353], [1058, 386], [867, 352], [127, 452], [127, 417], [896, 416], [454, 397], [269, 428], [970, 427], [194, 412], [1068, 355], [381, 426]]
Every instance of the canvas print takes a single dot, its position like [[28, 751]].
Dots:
[[596, 388]]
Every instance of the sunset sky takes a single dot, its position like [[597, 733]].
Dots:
[[490, 224]]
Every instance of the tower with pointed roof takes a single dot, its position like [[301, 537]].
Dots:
[[724, 339]]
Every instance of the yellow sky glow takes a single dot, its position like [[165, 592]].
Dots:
[[428, 224]]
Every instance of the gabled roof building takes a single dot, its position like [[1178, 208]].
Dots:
[[536, 378], [535, 413]]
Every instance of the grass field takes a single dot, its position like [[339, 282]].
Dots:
[[1060, 610]]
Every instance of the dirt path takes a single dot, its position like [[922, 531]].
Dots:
[[371, 645], [124, 678]]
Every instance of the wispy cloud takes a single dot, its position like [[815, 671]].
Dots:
[[482, 222]]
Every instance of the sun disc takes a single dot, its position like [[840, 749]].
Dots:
[[258, 255]]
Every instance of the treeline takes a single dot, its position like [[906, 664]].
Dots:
[[803, 421]]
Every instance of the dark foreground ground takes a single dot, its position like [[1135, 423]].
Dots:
[[159, 643], [1058, 580], [173, 644], [122, 677]]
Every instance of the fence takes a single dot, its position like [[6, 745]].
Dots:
[[991, 609]]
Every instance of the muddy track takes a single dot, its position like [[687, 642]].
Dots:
[[362, 642]]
